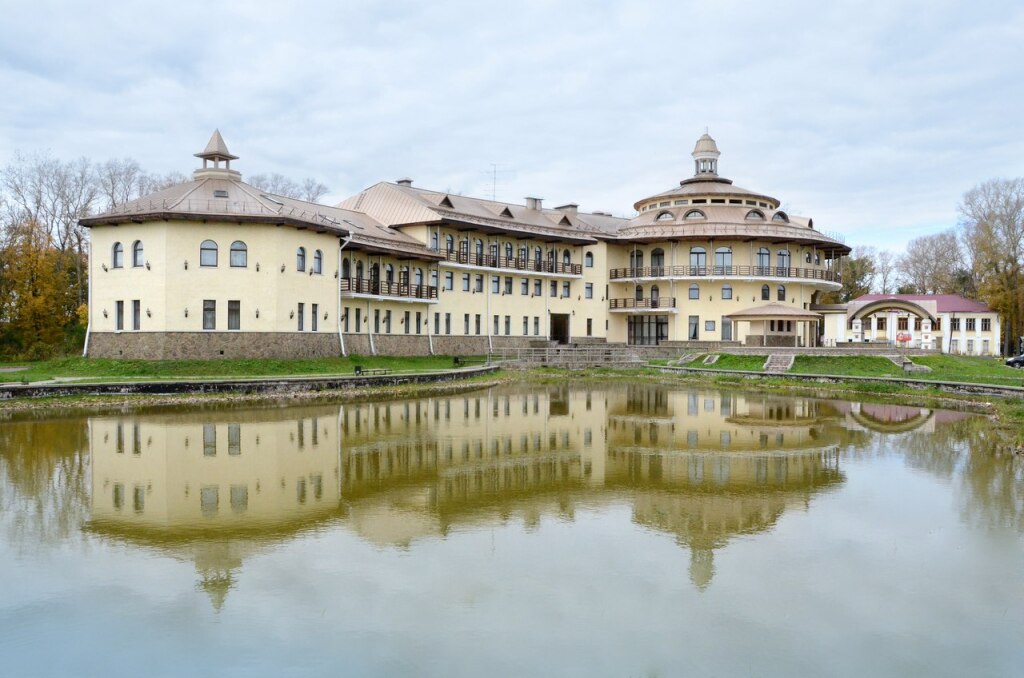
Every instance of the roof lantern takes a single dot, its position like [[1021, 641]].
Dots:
[[216, 151], [705, 156]]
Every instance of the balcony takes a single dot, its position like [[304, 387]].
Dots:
[[512, 264], [643, 305], [725, 271], [376, 288]]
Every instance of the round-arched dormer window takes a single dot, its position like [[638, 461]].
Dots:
[[755, 215], [664, 216], [695, 214], [781, 217]]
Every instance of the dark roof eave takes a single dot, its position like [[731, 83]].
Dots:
[[114, 220], [512, 229]]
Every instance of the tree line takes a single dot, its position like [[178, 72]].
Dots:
[[980, 258], [44, 250]]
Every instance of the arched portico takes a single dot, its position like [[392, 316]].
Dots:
[[873, 307]]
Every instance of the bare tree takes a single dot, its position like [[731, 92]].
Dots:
[[932, 263], [885, 271], [310, 190]]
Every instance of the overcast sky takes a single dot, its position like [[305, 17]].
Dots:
[[872, 117]]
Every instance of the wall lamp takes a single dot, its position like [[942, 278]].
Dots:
[[282, 268], [257, 313], [186, 264], [291, 314], [257, 267], [325, 315], [149, 314], [104, 313], [186, 312], [104, 267], [147, 265]]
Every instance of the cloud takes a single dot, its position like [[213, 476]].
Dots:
[[873, 118]]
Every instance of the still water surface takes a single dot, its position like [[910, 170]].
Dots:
[[632, 530]]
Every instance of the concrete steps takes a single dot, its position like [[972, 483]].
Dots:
[[779, 362]]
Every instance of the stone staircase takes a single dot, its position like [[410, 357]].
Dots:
[[907, 364], [779, 363]]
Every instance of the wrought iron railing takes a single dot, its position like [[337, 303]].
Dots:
[[515, 263], [387, 289], [699, 271], [630, 302]]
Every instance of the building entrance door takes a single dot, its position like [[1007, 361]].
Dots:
[[560, 327]]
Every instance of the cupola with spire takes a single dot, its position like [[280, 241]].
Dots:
[[216, 151], [705, 156]]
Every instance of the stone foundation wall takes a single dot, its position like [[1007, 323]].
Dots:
[[401, 344], [357, 344], [772, 340], [208, 345], [451, 345]]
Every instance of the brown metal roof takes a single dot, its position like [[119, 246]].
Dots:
[[774, 312]]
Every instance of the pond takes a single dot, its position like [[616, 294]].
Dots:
[[573, 530]]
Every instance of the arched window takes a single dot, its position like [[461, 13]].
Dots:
[[639, 292], [657, 260], [300, 259], [695, 291], [138, 258], [389, 273], [524, 254], [359, 270], [375, 272], [318, 262], [695, 214], [782, 292], [764, 259], [449, 243], [478, 246], [655, 293], [208, 253], [117, 255], [698, 258], [346, 269], [588, 260], [727, 291], [723, 260], [664, 216], [419, 276], [403, 275], [755, 215], [783, 259], [508, 250], [766, 293], [538, 255], [239, 254], [636, 259], [781, 217], [494, 254], [433, 240]]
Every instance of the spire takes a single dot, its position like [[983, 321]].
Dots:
[[216, 151], [705, 155]]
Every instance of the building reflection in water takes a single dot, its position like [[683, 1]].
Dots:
[[702, 466]]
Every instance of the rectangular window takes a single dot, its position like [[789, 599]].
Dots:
[[882, 322], [954, 345], [917, 324], [447, 323], [449, 280], [301, 315], [478, 323], [465, 329], [526, 325], [986, 324], [525, 288], [588, 291], [387, 322], [709, 325], [209, 440], [495, 284], [496, 321], [726, 292], [437, 323], [234, 439], [970, 324], [508, 285], [726, 329], [554, 288], [937, 325], [465, 282], [345, 316], [508, 325], [406, 323], [359, 320], [119, 315], [566, 289], [902, 324], [314, 320], [694, 333], [985, 347], [376, 321], [209, 314], [536, 325], [590, 327], [479, 283], [234, 315], [537, 289], [970, 347], [136, 314], [954, 324]]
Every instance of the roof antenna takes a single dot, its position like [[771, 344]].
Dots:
[[494, 180]]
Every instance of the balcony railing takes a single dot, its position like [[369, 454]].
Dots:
[[630, 302], [748, 271], [518, 264], [387, 289]]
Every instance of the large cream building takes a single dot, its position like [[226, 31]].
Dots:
[[215, 267]]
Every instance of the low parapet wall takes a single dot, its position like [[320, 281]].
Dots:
[[261, 385]]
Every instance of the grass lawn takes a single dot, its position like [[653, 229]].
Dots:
[[113, 370], [747, 363], [854, 365], [972, 369]]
